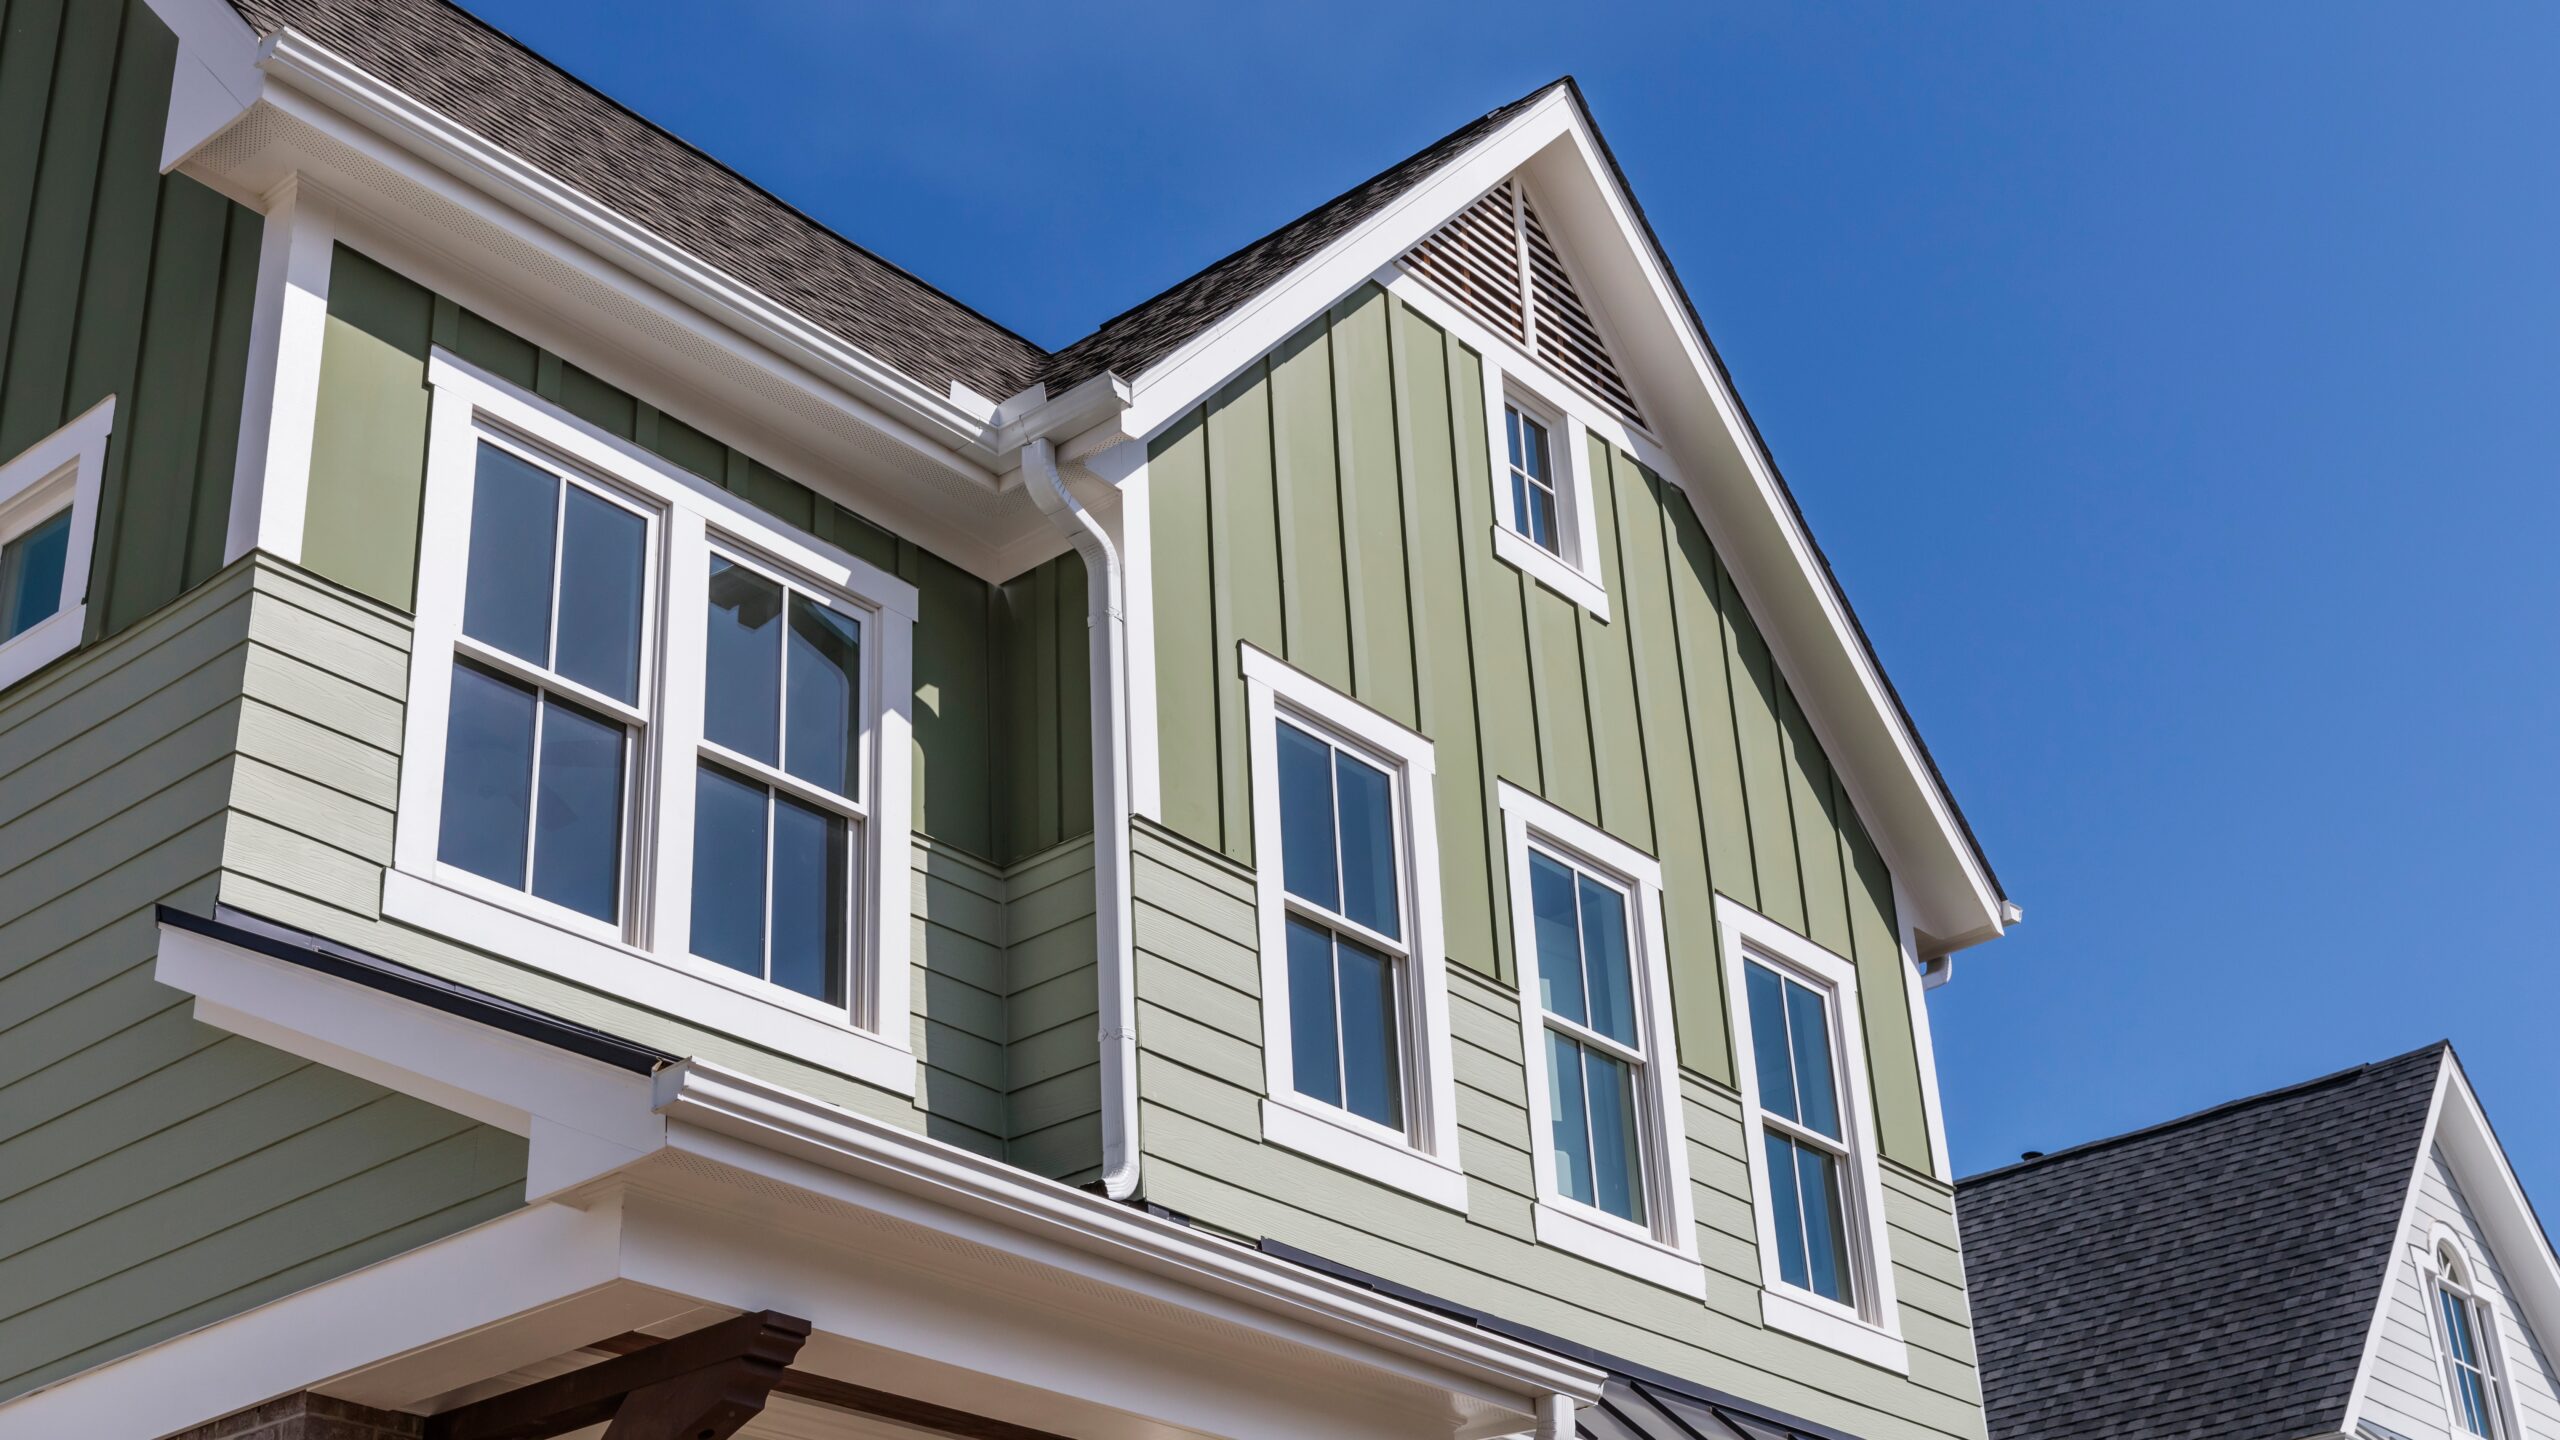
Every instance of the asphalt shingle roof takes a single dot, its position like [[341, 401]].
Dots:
[[2213, 1276]]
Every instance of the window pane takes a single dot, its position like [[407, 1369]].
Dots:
[[1542, 517], [488, 776], [577, 823], [1769, 1041], [1372, 1080], [820, 735], [1786, 1208], [1315, 1037], [602, 556], [1569, 1119], [506, 597], [1559, 939], [2457, 1326], [1368, 846], [1533, 447], [1511, 432], [809, 909], [728, 870], [742, 678], [1809, 1020], [31, 576], [1826, 1234], [1617, 1168], [1604, 957], [1306, 818], [1519, 503]]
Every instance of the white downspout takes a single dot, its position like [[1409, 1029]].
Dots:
[[1115, 977], [1555, 1417]]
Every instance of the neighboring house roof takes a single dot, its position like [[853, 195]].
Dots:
[[2213, 1276]]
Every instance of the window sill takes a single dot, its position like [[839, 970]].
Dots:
[[1834, 1328], [1551, 570], [1312, 1132], [1564, 1227], [695, 991], [44, 642]]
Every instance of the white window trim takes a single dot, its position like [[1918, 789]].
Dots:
[[1666, 1251], [1512, 376], [67, 465], [1423, 1162], [1871, 1330], [2486, 1315], [646, 960]]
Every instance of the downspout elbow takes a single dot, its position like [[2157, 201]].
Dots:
[[1115, 974]]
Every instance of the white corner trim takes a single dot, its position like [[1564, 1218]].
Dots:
[[1664, 1250], [280, 405], [645, 956], [1872, 1331], [1429, 1151], [1323, 1133], [65, 468], [1915, 993]]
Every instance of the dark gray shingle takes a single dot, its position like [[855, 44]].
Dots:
[[2213, 1276]]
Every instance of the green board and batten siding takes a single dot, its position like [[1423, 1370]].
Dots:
[[157, 1174], [1334, 506], [117, 280]]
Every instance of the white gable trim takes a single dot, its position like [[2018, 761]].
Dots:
[[1713, 455], [2459, 1128]]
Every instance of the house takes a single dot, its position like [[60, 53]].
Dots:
[[2351, 1256], [610, 808]]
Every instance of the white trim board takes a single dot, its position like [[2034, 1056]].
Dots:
[[64, 470]]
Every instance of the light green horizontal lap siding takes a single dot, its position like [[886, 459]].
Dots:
[[314, 800], [1200, 1087], [157, 1174], [1002, 750], [1334, 505], [118, 281]]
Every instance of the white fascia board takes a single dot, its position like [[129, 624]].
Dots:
[[215, 78], [541, 1256], [1775, 563], [597, 1128], [583, 1117], [938, 424], [2379, 1323], [973, 1198]]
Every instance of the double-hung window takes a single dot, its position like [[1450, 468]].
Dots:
[[1809, 1126], [1610, 1163], [1355, 999], [656, 741], [48, 521], [1535, 515], [2470, 1345]]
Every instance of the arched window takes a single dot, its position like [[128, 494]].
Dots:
[[2470, 1349]]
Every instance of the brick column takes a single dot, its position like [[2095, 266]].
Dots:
[[308, 1417]]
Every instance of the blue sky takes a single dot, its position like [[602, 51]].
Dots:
[[2171, 383]]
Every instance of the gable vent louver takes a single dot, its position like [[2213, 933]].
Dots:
[[1495, 259]]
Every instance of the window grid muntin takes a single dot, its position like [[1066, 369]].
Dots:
[[1843, 1150], [1411, 1103], [1642, 1079], [2470, 1358], [638, 784], [777, 782], [1527, 482]]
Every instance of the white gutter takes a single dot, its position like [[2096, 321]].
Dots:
[[1115, 968]]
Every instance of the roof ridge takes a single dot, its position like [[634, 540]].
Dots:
[[1335, 199], [2210, 1112], [1037, 349]]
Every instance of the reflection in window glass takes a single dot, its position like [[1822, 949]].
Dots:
[[742, 685], [31, 575], [506, 598], [1791, 1040], [822, 730], [728, 870], [486, 826], [602, 553], [577, 823]]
